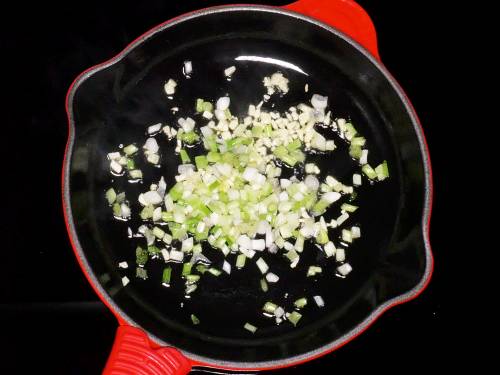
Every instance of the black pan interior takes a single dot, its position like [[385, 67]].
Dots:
[[115, 105]]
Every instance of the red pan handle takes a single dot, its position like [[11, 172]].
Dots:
[[344, 15], [133, 354]]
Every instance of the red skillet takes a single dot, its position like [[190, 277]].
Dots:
[[334, 44]]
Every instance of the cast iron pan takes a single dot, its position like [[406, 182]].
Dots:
[[113, 102]]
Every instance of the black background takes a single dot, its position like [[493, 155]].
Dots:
[[51, 318]]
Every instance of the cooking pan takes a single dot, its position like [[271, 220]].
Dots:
[[328, 44]]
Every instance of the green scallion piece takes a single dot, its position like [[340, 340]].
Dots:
[[294, 317], [130, 149], [167, 274], [141, 256], [195, 319], [250, 327], [201, 161], [240, 261], [111, 195], [191, 279], [208, 107], [214, 271], [186, 269], [348, 207], [199, 105], [313, 270], [382, 171], [153, 250], [269, 307], [263, 285], [369, 171], [201, 268], [141, 273]]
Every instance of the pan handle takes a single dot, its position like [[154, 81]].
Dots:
[[132, 353], [344, 15]]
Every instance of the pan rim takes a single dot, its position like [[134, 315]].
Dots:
[[270, 364]]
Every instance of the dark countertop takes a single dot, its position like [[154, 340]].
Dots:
[[52, 319]]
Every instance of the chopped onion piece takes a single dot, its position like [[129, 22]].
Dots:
[[153, 129], [125, 280], [170, 87]]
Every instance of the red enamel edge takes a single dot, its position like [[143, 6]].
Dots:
[[344, 15], [366, 36]]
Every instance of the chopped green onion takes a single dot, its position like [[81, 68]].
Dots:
[[147, 212], [153, 250], [184, 156], [214, 271], [263, 285], [269, 307], [201, 268], [167, 274], [141, 256], [135, 174], [186, 269], [348, 207], [208, 107], [240, 261], [294, 317], [250, 327], [130, 165], [313, 270], [141, 273], [189, 137], [130, 149], [355, 151], [201, 161], [300, 303], [192, 278], [369, 171], [382, 171], [199, 105], [111, 195], [195, 319], [158, 233]]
